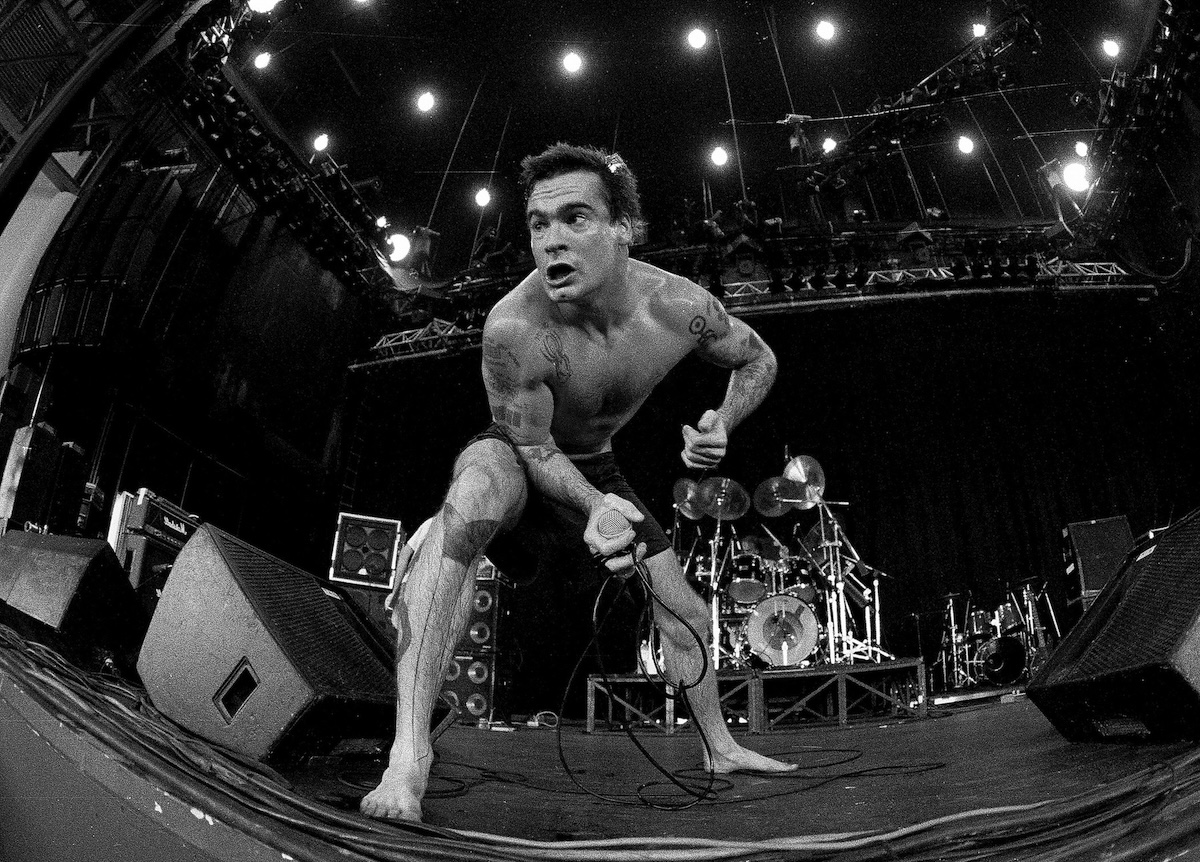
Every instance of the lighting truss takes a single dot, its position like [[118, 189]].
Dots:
[[916, 111], [755, 298], [1136, 110]]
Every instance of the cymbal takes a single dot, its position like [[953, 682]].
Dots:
[[773, 496], [724, 498], [689, 499], [807, 473]]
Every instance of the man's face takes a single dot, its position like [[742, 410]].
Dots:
[[576, 244]]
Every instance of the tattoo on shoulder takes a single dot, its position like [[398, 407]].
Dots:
[[718, 311], [752, 342], [699, 327], [552, 349], [501, 365]]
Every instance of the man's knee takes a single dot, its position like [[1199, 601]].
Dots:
[[488, 476]]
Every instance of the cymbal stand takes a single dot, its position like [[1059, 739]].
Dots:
[[875, 652], [714, 600], [848, 648]]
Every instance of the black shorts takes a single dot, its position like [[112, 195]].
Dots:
[[549, 536]]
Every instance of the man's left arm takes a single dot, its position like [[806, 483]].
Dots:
[[729, 343]]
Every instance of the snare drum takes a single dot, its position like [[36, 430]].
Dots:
[[746, 586], [782, 631]]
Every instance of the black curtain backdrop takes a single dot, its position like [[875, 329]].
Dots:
[[964, 433]]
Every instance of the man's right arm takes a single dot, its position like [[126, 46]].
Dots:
[[514, 373]]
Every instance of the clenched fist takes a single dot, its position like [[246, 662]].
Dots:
[[704, 446]]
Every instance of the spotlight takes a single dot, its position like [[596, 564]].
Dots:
[[483, 197], [262, 60], [979, 30], [965, 145], [425, 102], [572, 62], [719, 156], [400, 246], [825, 30], [320, 142], [829, 145], [697, 38], [1075, 177], [1081, 149], [1111, 47], [262, 6], [381, 222]]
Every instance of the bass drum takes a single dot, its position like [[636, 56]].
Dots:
[[1003, 660], [782, 631]]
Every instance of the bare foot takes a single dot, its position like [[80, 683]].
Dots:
[[393, 799], [740, 759]]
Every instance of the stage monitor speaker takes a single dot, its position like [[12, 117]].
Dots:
[[1093, 551], [72, 595], [1131, 666], [255, 654]]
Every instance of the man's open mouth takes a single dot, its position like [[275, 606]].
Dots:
[[558, 271]]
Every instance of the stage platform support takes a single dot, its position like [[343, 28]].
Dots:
[[765, 700]]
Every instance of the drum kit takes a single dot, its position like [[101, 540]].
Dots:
[[999, 647], [775, 605]]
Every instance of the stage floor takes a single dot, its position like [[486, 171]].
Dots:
[[870, 775]]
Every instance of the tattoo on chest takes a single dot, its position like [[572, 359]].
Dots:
[[552, 349]]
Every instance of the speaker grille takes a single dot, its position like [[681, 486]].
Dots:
[[1157, 609], [328, 653]]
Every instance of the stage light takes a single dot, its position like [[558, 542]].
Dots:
[[572, 62], [825, 30], [965, 144], [262, 6], [320, 142], [483, 197], [400, 246], [979, 30], [1081, 149], [381, 222], [262, 60], [1075, 177], [829, 145], [719, 156], [1111, 47], [697, 38]]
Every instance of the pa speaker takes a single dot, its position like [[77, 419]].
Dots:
[[1131, 666], [72, 595], [255, 654]]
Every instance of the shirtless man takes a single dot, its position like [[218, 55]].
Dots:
[[568, 357]]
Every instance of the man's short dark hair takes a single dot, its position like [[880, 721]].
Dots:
[[618, 182]]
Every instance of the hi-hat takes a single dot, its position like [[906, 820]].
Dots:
[[688, 498], [776, 495], [807, 473], [724, 498]]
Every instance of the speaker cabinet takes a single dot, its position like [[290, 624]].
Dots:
[[72, 595], [364, 551], [257, 655], [1131, 666], [1093, 551], [470, 686]]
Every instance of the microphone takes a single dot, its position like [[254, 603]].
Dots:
[[612, 523]]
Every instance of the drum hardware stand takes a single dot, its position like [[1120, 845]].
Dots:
[[955, 656], [1037, 643]]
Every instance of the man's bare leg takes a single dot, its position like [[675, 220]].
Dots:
[[487, 494], [685, 661]]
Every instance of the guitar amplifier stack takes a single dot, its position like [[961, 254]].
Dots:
[[147, 532]]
